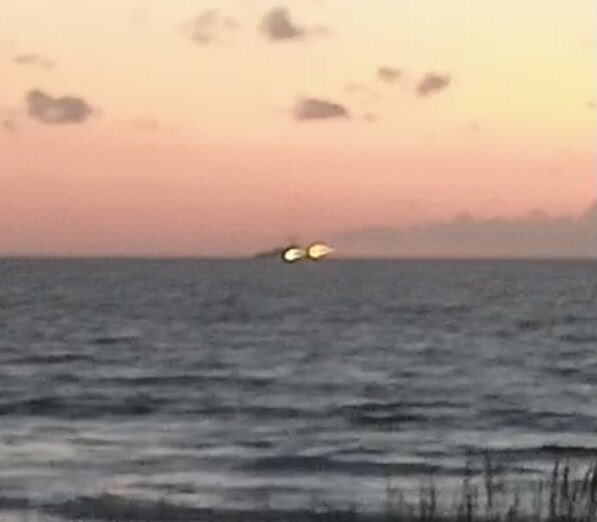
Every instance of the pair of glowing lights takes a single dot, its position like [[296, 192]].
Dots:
[[314, 252]]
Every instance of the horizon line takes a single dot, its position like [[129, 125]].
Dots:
[[238, 257]]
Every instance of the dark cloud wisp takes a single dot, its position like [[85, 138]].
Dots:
[[209, 26], [317, 109], [432, 83], [33, 59], [277, 25], [55, 111], [389, 74]]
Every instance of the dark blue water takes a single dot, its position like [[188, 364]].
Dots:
[[253, 383]]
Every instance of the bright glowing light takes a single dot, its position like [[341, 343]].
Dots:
[[292, 254], [318, 251]]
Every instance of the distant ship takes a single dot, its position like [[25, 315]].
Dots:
[[294, 253]]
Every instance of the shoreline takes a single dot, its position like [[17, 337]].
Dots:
[[569, 494]]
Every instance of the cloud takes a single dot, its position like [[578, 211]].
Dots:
[[432, 83], [534, 235], [33, 59], [389, 74], [277, 25], [317, 109], [209, 26], [54, 111]]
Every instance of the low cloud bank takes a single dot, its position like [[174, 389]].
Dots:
[[535, 235]]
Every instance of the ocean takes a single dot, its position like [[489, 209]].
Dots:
[[251, 384]]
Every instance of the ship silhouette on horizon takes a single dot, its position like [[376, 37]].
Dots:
[[294, 252]]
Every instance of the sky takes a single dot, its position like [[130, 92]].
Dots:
[[224, 127]]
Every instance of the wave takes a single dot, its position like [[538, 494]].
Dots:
[[289, 464], [49, 359], [98, 406], [579, 339], [14, 503], [114, 339], [119, 403], [431, 309], [81, 407], [394, 414], [186, 379], [535, 325], [378, 405], [112, 507], [543, 421], [544, 451], [185, 488], [257, 412], [387, 420]]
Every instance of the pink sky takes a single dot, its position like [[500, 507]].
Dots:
[[198, 128]]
